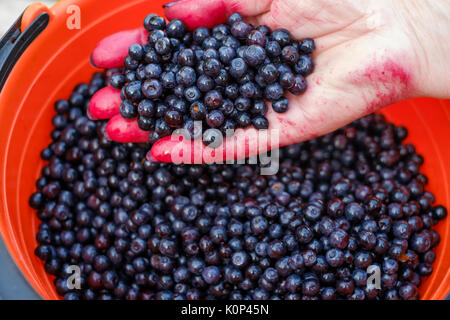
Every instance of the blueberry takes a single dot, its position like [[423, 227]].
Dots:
[[211, 42], [193, 129], [273, 92], [258, 225], [198, 111], [192, 94], [254, 55], [304, 234], [215, 118], [152, 89], [289, 54], [205, 83], [281, 105], [210, 53], [226, 54], [439, 213], [235, 17], [354, 212], [299, 86], [339, 239], [287, 80], [128, 110], [162, 128], [238, 67], [232, 42], [168, 80], [228, 128], [273, 49], [223, 78], [269, 73], [407, 291], [136, 52], [153, 70], [259, 107], [173, 118], [260, 122], [232, 91], [133, 91], [335, 257], [186, 57], [240, 259], [310, 287], [276, 249], [390, 266], [186, 76], [211, 275], [401, 229], [242, 104], [256, 37], [307, 46], [146, 124], [154, 36], [163, 46], [282, 36], [200, 34], [176, 29], [154, 22], [189, 213], [131, 63], [421, 242], [117, 81], [248, 89], [243, 120], [240, 29], [304, 65], [367, 239], [212, 67], [213, 99]]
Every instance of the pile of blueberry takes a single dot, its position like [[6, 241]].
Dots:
[[339, 204], [221, 77]]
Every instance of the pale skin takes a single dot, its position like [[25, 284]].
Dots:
[[369, 54]]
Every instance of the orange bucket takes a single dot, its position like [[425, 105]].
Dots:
[[58, 59]]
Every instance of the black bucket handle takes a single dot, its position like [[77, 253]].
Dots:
[[14, 43]]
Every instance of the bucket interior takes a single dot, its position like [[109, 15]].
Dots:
[[59, 59]]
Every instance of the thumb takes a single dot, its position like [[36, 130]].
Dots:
[[208, 13]]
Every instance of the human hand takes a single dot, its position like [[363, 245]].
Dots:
[[369, 55]]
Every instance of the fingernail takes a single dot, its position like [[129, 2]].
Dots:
[[152, 159], [89, 115], [106, 135], [91, 60], [168, 5]]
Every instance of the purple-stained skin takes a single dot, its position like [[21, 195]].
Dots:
[[357, 70]]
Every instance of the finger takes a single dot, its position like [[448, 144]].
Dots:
[[208, 13], [311, 18], [244, 144], [112, 51], [105, 104], [122, 130]]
